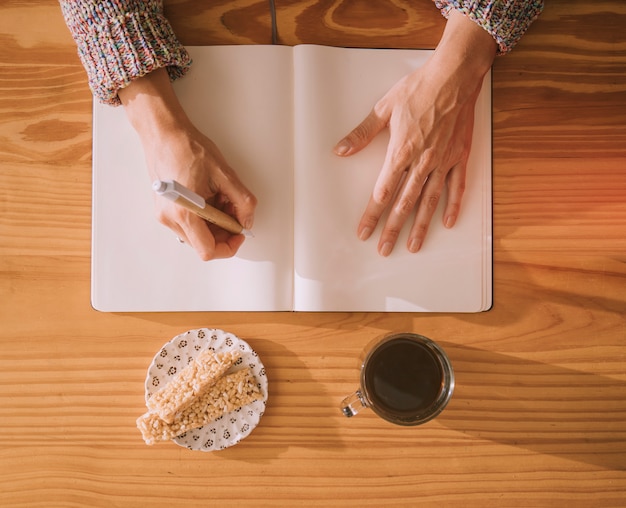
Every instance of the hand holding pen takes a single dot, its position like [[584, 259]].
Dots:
[[175, 149], [219, 223], [212, 231], [195, 203]]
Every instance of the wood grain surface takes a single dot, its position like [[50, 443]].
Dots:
[[538, 417]]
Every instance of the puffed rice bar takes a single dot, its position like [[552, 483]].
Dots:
[[190, 383], [227, 394]]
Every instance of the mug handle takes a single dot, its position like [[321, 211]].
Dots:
[[352, 404]]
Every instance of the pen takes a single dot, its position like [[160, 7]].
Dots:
[[185, 197]]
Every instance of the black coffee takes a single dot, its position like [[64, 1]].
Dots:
[[403, 378]]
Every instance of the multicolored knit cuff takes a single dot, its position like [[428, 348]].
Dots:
[[116, 47], [505, 20]]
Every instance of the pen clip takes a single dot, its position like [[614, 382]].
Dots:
[[172, 189]]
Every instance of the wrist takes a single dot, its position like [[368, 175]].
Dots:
[[466, 51], [152, 107]]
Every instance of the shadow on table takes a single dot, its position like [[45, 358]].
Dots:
[[297, 412], [543, 408]]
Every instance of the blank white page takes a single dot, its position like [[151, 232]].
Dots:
[[335, 88], [241, 98]]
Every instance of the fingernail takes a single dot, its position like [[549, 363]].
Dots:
[[365, 233], [449, 221], [342, 147], [247, 224], [385, 250], [414, 245]]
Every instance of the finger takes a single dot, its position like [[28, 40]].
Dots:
[[166, 219], [361, 135], [456, 189], [456, 176], [211, 242], [369, 219], [201, 238], [180, 235], [426, 207], [240, 201], [404, 205], [400, 156], [190, 228], [397, 159], [376, 207], [226, 244]]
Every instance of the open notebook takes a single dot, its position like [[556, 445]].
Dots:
[[275, 112]]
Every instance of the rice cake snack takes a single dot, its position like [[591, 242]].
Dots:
[[191, 383], [229, 393]]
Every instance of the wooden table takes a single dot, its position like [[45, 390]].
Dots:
[[539, 413]]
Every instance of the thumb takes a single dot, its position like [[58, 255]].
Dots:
[[241, 202], [244, 204], [361, 135]]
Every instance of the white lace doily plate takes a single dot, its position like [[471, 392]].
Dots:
[[232, 427]]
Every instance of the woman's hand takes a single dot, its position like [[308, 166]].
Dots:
[[176, 150], [430, 116]]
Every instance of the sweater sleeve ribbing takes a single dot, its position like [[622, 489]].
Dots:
[[121, 40], [505, 20]]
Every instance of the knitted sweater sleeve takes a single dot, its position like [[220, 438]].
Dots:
[[121, 40], [505, 20]]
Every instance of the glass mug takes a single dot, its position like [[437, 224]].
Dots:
[[406, 379]]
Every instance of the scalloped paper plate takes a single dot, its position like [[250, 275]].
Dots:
[[232, 427]]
